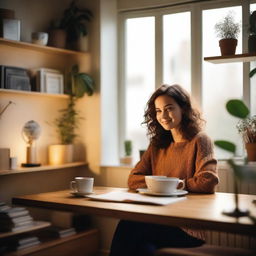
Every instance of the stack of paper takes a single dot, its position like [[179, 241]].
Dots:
[[128, 197]]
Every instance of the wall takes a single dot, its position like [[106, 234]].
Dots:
[[45, 109]]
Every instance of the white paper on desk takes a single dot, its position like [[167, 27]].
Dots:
[[127, 197]]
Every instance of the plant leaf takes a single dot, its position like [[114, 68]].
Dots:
[[252, 72], [226, 145], [237, 108]]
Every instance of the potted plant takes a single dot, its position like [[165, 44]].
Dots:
[[227, 30], [73, 23], [246, 126], [127, 159], [252, 33], [68, 121]]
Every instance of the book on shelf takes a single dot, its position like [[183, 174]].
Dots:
[[13, 212], [56, 232], [17, 227], [15, 219], [4, 206], [19, 243]]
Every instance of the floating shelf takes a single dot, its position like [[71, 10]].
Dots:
[[37, 225], [64, 96], [42, 168], [245, 57], [45, 49]]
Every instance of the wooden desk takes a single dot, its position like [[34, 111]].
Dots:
[[197, 211]]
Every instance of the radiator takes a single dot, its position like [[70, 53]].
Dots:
[[227, 185]]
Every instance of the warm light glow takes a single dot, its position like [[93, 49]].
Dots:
[[60, 154]]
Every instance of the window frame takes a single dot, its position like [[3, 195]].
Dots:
[[196, 10]]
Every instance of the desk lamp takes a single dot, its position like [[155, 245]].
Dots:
[[31, 132]]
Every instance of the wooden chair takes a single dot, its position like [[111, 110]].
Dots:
[[205, 250]]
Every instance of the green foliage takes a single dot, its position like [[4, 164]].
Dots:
[[128, 147], [226, 145], [67, 123], [81, 83], [252, 23], [252, 72], [73, 21], [227, 27], [237, 108]]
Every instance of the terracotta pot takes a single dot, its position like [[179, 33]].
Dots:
[[251, 151], [252, 44], [60, 154], [57, 38], [228, 46], [6, 14]]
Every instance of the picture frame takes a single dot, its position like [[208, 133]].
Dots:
[[50, 81], [54, 83]]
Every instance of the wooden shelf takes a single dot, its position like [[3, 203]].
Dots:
[[45, 49], [42, 168], [63, 96], [245, 57], [37, 225], [84, 243]]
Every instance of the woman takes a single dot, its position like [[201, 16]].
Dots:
[[178, 148]]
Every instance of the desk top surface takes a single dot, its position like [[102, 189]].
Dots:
[[196, 211]]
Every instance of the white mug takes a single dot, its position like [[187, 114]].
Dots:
[[82, 185]]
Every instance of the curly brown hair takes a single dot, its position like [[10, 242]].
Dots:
[[191, 122]]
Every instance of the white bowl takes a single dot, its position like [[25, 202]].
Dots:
[[162, 184], [40, 38]]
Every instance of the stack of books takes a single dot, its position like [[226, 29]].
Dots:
[[56, 232], [19, 243], [14, 219]]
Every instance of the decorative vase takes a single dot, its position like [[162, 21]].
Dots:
[[57, 38], [228, 46], [251, 151], [60, 154], [252, 44]]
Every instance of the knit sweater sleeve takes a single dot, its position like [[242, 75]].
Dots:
[[136, 178], [205, 177]]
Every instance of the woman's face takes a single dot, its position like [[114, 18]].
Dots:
[[168, 112]]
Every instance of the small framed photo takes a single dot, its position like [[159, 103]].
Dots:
[[54, 83], [50, 81]]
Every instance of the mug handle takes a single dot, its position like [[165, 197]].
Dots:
[[73, 186], [182, 182]]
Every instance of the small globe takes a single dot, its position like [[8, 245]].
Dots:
[[31, 131]]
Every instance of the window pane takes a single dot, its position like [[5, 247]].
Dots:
[[220, 82], [253, 79], [140, 77], [176, 49]]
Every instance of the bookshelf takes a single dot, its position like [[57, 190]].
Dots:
[[37, 225]]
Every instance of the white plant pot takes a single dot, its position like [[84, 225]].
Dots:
[[60, 154]]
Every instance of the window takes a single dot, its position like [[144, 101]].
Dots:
[[139, 77], [176, 50], [217, 84], [220, 82]]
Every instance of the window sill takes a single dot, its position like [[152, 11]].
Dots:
[[123, 166]]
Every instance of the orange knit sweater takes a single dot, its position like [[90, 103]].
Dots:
[[191, 160]]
